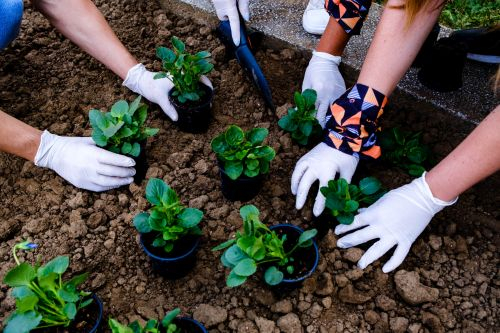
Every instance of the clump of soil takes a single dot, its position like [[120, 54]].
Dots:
[[46, 81]]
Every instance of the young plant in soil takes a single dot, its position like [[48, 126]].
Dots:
[[405, 150], [191, 98], [243, 160], [257, 246], [343, 199], [43, 298], [152, 325], [122, 129], [168, 221], [301, 120]]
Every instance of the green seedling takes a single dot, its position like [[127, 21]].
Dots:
[[405, 150], [242, 153], [152, 326], [301, 120], [43, 298], [168, 219], [344, 199], [122, 128], [258, 245], [184, 70]]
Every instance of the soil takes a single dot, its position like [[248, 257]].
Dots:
[[451, 273]]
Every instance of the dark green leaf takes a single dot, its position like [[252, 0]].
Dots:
[[307, 235], [224, 245], [300, 102], [351, 206], [136, 150], [345, 218], [58, 265], [126, 148], [249, 212], [273, 276], [141, 223], [178, 44], [233, 169], [235, 280], [190, 217], [165, 54], [369, 185], [257, 135], [119, 109], [155, 190], [70, 310], [245, 267], [23, 322], [234, 135], [309, 97], [26, 303], [234, 254], [169, 317]]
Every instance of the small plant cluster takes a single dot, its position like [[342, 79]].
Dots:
[[122, 128], [301, 120], [168, 219], [344, 199], [43, 299], [152, 326], [242, 152], [405, 150], [258, 245], [184, 70]]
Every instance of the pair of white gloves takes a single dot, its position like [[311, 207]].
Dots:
[[82, 163]]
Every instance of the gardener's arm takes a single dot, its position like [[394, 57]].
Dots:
[[77, 159], [400, 216], [352, 120], [83, 23]]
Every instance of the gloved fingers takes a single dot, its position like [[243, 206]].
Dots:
[[346, 173], [168, 108], [206, 82], [359, 222], [87, 140], [112, 182], [319, 202], [109, 158], [305, 184], [358, 237], [397, 258], [297, 174], [322, 108], [113, 171], [234, 22], [375, 251], [243, 7]]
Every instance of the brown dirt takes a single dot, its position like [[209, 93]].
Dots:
[[49, 83]]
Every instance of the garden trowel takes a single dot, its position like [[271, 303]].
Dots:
[[243, 53]]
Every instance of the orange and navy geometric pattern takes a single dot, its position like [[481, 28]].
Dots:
[[350, 14], [352, 122]]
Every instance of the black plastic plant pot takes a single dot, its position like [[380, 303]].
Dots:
[[305, 259], [443, 72], [175, 264], [194, 117], [189, 325], [141, 164], [241, 189], [87, 320], [424, 55], [323, 223]]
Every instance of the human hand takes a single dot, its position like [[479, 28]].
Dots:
[[322, 74], [321, 163], [142, 82], [397, 218], [228, 10], [83, 164]]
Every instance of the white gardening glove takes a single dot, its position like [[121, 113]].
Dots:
[[142, 82], [322, 74], [397, 218], [83, 164], [321, 163], [228, 10]]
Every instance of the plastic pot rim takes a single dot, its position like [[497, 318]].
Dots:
[[197, 323], [172, 259]]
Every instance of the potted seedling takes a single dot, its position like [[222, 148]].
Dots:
[[191, 98], [171, 323], [342, 201], [286, 253], [169, 232], [46, 302], [243, 161], [122, 131], [301, 120], [405, 149]]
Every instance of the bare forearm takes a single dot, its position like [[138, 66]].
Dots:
[[18, 138], [394, 47], [333, 40], [83, 23], [474, 159]]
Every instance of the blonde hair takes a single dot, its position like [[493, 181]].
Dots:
[[413, 7]]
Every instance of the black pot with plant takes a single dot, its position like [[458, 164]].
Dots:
[[169, 232], [243, 161], [301, 122], [342, 201], [122, 130], [171, 323], [47, 302], [191, 98], [286, 254]]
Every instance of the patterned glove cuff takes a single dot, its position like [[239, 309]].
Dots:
[[350, 14], [352, 122]]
